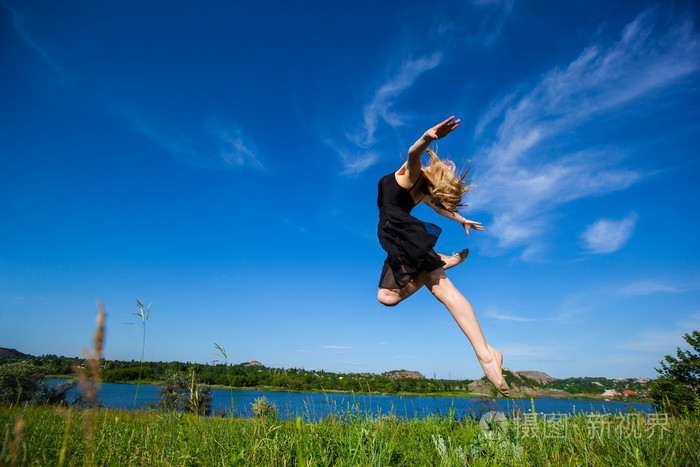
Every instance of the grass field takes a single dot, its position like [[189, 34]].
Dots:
[[50, 436]]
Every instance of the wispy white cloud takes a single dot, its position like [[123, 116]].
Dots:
[[492, 24], [508, 3], [406, 357], [602, 297], [493, 112], [493, 313], [351, 364], [654, 342], [357, 151], [691, 322], [355, 162], [335, 347], [649, 287], [19, 25], [236, 150], [608, 235], [663, 341], [216, 146], [478, 23], [530, 352], [567, 311], [379, 109], [522, 187]]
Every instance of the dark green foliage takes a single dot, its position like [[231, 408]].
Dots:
[[242, 376], [521, 380], [582, 385], [19, 381], [182, 392], [22, 381], [53, 394], [596, 386], [678, 387]]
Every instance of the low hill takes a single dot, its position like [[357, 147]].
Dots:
[[542, 378], [400, 374], [520, 385], [253, 363], [12, 353]]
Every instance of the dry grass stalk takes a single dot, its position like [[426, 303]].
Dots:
[[91, 380], [18, 437]]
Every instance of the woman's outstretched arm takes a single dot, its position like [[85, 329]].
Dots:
[[438, 131], [455, 216]]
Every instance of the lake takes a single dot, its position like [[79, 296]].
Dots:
[[315, 406]]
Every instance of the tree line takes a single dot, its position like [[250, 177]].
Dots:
[[243, 376], [677, 389]]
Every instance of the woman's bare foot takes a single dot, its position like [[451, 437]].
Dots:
[[494, 373], [455, 259]]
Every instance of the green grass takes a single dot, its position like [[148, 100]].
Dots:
[[158, 438]]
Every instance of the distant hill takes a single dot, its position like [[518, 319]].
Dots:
[[12, 353], [253, 363], [397, 374], [521, 383], [542, 378]]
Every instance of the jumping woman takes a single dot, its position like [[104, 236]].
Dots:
[[411, 261]]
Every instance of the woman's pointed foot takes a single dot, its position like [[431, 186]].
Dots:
[[503, 388], [494, 372], [462, 255], [455, 259]]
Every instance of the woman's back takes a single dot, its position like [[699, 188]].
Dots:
[[393, 194]]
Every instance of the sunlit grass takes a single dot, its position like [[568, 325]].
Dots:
[[45, 435]]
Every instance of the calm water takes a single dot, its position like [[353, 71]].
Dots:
[[313, 406]]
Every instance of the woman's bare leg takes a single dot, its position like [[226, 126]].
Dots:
[[392, 297], [462, 311]]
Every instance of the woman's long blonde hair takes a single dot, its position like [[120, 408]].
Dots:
[[445, 187]]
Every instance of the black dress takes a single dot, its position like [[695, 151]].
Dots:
[[408, 241]]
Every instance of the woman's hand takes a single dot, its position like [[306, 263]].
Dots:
[[443, 129], [438, 131], [467, 224]]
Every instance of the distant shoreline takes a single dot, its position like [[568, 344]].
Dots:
[[449, 395]]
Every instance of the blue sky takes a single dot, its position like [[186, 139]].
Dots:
[[220, 161]]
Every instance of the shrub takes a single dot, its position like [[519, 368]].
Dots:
[[23, 382], [53, 394], [180, 391], [19, 381], [677, 390], [263, 408]]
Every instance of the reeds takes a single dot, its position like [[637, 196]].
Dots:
[[348, 438], [17, 438], [144, 314], [90, 376], [90, 381], [222, 353]]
